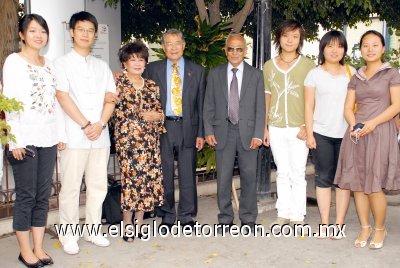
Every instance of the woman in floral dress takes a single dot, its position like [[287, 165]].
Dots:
[[139, 122]]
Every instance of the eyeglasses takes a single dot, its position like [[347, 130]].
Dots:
[[176, 44], [90, 31], [237, 49]]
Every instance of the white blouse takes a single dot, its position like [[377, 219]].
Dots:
[[41, 122], [330, 96]]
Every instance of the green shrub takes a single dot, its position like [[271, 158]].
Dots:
[[7, 105]]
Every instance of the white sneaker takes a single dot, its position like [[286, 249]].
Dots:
[[71, 247], [99, 240], [279, 221]]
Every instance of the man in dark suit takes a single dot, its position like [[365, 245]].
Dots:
[[234, 120], [182, 88]]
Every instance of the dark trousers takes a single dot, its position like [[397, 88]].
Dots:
[[325, 158], [171, 146], [33, 179], [247, 160]]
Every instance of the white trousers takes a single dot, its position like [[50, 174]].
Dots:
[[73, 164], [290, 156]]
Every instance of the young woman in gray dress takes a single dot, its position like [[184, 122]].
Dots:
[[369, 159]]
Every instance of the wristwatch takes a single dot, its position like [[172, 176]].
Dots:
[[103, 125]]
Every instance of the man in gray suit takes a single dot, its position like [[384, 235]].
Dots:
[[234, 120], [182, 88]]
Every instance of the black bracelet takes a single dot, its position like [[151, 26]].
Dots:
[[88, 124]]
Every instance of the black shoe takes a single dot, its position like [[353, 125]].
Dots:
[[224, 228], [142, 236], [128, 239], [251, 226], [37, 264], [164, 228], [149, 215], [47, 261], [189, 223]]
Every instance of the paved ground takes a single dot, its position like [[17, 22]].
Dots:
[[227, 251]]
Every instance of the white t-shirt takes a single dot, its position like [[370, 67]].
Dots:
[[86, 79], [330, 96], [35, 86]]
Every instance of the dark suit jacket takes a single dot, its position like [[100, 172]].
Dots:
[[192, 96], [251, 105]]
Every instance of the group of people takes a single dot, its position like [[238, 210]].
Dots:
[[165, 110], [346, 117]]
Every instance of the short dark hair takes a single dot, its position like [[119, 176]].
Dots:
[[137, 48], [27, 19], [83, 16], [374, 33], [288, 25], [328, 38]]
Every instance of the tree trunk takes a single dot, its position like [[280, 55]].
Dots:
[[239, 18], [8, 29], [215, 12], [201, 7]]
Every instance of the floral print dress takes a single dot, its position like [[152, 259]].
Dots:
[[138, 145]]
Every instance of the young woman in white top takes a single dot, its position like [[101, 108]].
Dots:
[[29, 77], [325, 94]]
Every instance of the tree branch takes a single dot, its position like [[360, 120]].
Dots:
[[215, 12], [201, 7], [239, 18]]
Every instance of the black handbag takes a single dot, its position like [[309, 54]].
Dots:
[[112, 203]]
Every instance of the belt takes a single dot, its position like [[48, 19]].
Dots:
[[173, 118]]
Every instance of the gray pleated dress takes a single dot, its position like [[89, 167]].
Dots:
[[373, 163]]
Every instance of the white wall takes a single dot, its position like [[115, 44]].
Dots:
[[112, 17], [56, 12], [354, 34]]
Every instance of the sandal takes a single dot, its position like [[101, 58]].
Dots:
[[362, 243], [378, 245], [338, 233], [128, 239], [322, 233]]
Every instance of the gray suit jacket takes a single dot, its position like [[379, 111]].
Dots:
[[192, 96], [251, 105]]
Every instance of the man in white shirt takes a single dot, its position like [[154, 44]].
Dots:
[[82, 81]]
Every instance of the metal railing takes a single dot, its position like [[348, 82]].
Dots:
[[7, 191]]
